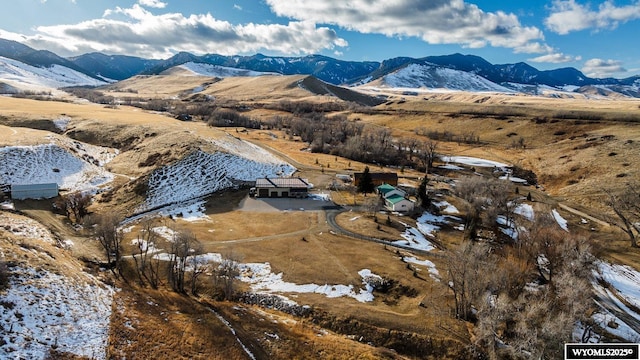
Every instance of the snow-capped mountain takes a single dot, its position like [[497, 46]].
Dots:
[[443, 72], [429, 76], [220, 71], [21, 76]]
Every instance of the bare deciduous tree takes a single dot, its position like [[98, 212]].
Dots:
[[147, 266], [73, 206], [427, 154], [626, 206], [225, 276], [466, 269], [183, 247], [106, 229]]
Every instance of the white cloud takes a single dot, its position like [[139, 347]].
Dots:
[[434, 21], [568, 15], [600, 68], [555, 58], [237, 7], [139, 32], [153, 3]]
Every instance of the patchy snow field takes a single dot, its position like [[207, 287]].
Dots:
[[220, 71], [42, 310], [261, 278], [472, 161], [625, 286], [71, 164], [34, 78], [25, 227]]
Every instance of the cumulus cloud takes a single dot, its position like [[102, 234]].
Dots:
[[153, 3], [600, 68], [139, 32], [568, 15], [555, 58], [434, 21]]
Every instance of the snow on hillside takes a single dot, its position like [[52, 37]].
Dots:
[[219, 71], [202, 173], [622, 296], [71, 164], [436, 77], [25, 227], [42, 310], [27, 77]]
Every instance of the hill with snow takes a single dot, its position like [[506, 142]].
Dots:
[[202, 173], [217, 70], [427, 76], [21, 76], [71, 164]]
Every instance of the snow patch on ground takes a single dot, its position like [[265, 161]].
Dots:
[[426, 226], [23, 226], [165, 232], [559, 219], [415, 239], [189, 211], [446, 207], [624, 284], [525, 210], [431, 267], [261, 278], [41, 310], [62, 123], [472, 161]]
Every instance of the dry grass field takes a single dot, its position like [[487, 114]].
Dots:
[[579, 150]]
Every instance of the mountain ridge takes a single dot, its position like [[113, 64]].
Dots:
[[516, 77]]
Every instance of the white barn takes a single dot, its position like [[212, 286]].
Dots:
[[34, 191]]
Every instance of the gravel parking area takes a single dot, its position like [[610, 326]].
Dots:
[[313, 203]]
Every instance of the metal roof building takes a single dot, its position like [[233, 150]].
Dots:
[[34, 191], [282, 187]]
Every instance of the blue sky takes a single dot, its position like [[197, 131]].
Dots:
[[596, 37]]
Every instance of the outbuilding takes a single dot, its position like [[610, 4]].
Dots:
[[34, 191], [398, 203], [282, 187]]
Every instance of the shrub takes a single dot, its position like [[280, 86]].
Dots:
[[4, 275]]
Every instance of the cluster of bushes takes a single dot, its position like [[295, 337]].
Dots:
[[226, 118], [307, 107], [4, 275], [337, 135], [466, 138], [91, 95]]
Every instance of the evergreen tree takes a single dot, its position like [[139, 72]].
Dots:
[[422, 192], [366, 182]]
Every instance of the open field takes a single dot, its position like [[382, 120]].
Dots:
[[578, 149]]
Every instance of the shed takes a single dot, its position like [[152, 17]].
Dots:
[[398, 203], [386, 190], [34, 191], [282, 187]]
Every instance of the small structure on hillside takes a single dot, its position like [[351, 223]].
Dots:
[[378, 178], [395, 199], [34, 191], [282, 187]]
